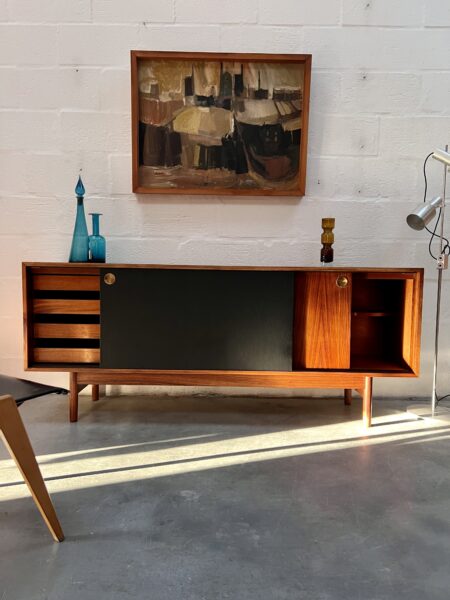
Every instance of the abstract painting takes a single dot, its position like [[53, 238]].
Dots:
[[206, 123]]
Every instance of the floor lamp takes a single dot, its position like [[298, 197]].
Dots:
[[418, 220]]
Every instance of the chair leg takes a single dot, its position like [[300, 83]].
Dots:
[[19, 446]]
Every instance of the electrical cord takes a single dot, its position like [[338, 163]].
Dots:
[[443, 398], [446, 249]]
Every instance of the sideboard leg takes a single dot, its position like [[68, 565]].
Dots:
[[367, 402], [73, 408], [347, 397], [95, 392]]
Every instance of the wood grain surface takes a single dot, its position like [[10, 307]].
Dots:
[[67, 330], [66, 282], [66, 355], [322, 322], [66, 307]]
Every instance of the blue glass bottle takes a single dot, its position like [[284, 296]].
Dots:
[[79, 251], [97, 243]]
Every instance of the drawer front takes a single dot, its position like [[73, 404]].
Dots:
[[62, 317], [66, 282]]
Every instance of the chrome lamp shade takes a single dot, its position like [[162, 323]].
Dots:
[[442, 156], [424, 213]]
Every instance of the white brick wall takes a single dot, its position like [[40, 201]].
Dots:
[[300, 12], [3, 10], [132, 11], [22, 45], [437, 13], [49, 11], [216, 11], [380, 101], [401, 13]]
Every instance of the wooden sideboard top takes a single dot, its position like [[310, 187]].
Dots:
[[95, 267]]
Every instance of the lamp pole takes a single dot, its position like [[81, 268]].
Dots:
[[441, 265]]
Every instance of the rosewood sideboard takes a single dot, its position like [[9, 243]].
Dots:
[[281, 327]]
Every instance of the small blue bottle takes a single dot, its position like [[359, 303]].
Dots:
[[79, 251], [97, 243]]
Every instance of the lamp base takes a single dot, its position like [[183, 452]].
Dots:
[[423, 411]]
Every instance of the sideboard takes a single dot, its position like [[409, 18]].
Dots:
[[281, 327]]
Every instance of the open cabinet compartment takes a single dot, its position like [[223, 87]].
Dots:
[[379, 323]]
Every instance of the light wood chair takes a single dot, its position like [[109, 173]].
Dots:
[[18, 443]]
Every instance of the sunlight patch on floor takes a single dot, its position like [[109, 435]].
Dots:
[[81, 471], [48, 458]]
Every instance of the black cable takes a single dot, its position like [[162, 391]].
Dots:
[[433, 235], [442, 398], [425, 175], [446, 249]]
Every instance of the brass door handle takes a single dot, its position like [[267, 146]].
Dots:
[[342, 281], [109, 279]]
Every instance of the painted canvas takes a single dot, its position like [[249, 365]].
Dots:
[[219, 123]]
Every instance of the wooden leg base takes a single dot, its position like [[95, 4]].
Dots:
[[93, 377], [347, 397], [95, 392], [367, 402], [73, 398]]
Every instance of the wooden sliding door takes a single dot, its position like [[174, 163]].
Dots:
[[322, 320]]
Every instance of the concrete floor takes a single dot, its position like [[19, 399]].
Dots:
[[217, 498]]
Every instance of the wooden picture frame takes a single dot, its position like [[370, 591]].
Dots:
[[219, 123]]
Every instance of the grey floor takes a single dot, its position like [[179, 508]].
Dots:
[[217, 498]]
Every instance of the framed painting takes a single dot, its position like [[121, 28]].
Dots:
[[209, 123]]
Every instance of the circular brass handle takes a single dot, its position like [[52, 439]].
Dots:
[[109, 278], [342, 281]]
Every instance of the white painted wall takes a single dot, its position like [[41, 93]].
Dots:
[[380, 102]]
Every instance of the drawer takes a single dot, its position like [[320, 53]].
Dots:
[[63, 316]]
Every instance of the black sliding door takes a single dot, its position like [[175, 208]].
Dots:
[[197, 319]]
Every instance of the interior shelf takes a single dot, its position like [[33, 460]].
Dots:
[[378, 364], [371, 313]]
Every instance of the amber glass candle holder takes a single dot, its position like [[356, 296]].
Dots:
[[327, 239]]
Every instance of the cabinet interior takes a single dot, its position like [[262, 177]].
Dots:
[[377, 324]]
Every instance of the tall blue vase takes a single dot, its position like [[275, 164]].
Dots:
[[97, 243], [79, 251]]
